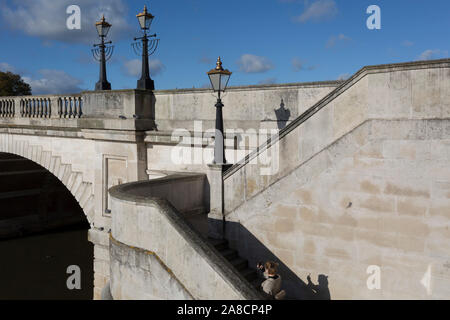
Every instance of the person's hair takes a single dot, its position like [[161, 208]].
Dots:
[[271, 267]]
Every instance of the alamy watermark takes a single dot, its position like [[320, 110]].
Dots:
[[374, 280], [73, 22], [197, 147], [74, 280], [374, 20]]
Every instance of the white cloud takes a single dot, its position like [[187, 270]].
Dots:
[[344, 76], [432, 54], [407, 43], [268, 81], [336, 39], [5, 67], [206, 60], [297, 64], [133, 68], [250, 63], [53, 82], [318, 10], [46, 19]]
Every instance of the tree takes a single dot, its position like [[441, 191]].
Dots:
[[12, 85]]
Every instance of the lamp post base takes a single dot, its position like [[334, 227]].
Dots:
[[102, 86], [146, 84], [216, 216]]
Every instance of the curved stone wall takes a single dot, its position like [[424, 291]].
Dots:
[[152, 231]]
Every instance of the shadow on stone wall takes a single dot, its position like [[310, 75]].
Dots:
[[153, 111], [250, 248], [282, 115]]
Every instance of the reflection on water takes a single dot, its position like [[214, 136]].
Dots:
[[34, 267]]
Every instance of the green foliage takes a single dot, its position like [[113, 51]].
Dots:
[[12, 85]]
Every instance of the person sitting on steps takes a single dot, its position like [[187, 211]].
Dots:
[[272, 285]]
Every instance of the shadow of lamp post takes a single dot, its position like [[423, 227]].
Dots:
[[103, 53], [147, 47], [219, 80]]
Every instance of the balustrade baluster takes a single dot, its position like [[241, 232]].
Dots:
[[27, 108], [38, 107], [33, 108], [71, 105], [45, 108], [49, 108], [41, 108], [80, 103], [59, 107]]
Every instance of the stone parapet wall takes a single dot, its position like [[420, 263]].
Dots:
[[404, 91], [251, 107]]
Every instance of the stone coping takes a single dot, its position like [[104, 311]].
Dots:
[[190, 90], [332, 83], [139, 190], [331, 96], [133, 192]]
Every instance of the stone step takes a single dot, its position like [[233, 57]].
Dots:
[[249, 274], [239, 263], [256, 283], [229, 254], [219, 244]]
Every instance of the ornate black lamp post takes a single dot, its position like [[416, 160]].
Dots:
[[103, 53], [219, 81], [148, 47]]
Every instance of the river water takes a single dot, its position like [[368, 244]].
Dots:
[[35, 267]]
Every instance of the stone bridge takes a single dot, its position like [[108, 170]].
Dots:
[[359, 176]]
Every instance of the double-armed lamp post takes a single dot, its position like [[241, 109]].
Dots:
[[148, 47], [219, 78], [102, 54]]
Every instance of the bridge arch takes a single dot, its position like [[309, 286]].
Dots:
[[73, 180]]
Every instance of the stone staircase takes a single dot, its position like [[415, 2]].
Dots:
[[199, 223], [240, 264]]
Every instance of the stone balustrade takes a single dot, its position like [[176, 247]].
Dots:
[[58, 106], [7, 108], [115, 109]]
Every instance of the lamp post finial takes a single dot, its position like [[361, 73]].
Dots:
[[219, 64]]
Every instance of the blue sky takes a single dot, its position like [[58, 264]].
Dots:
[[260, 41]]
